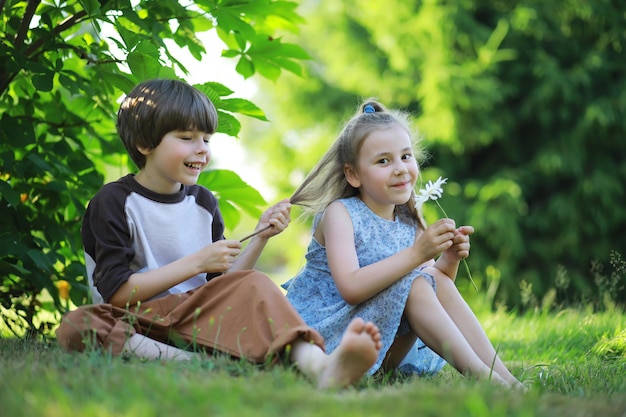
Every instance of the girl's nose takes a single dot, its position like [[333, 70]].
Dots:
[[400, 170]]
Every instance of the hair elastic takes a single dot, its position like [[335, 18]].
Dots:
[[369, 109]]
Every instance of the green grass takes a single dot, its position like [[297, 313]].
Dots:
[[574, 363]]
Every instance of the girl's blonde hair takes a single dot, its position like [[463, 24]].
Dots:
[[327, 183]]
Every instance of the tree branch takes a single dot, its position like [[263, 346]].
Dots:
[[2, 3], [25, 24], [66, 24], [5, 76]]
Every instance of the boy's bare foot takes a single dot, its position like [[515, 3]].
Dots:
[[357, 352]]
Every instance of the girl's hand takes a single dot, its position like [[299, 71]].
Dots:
[[460, 244], [276, 217], [437, 238], [219, 256]]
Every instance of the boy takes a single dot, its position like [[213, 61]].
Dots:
[[157, 257]]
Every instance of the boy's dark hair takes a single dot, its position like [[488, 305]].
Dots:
[[156, 107]]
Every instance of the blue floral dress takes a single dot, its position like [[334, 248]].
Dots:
[[314, 294]]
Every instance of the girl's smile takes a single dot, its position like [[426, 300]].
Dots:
[[386, 170]]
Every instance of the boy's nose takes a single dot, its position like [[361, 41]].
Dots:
[[203, 147]]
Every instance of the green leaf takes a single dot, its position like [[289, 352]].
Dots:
[[144, 61], [294, 51], [228, 124], [232, 191], [242, 30], [212, 87], [16, 132], [290, 66], [43, 82], [41, 261], [123, 82], [243, 106], [229, 39], [230, 53], [92, 7], [39, 162], [186, 36], [129, 37], [230, 213], [201, 23], [7, 193], [245, 67], [268, 69]]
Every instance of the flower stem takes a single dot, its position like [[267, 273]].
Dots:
[[467, 270]]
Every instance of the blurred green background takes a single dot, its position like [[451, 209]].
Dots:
[[521, 104]]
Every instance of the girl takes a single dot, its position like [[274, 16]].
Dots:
[[371, 255]]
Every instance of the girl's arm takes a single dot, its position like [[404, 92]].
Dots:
[[356, 284], [277, 216]]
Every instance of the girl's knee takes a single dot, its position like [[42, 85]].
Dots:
[[441, 280], [422, 289]]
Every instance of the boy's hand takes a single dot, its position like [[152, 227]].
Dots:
[[277, 217], [219, 256]]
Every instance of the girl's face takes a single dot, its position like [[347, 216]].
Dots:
[[386, 170], [178, 159]]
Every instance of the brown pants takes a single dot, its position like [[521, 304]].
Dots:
[[243, 314]]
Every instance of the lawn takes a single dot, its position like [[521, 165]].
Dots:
[[573, 361]]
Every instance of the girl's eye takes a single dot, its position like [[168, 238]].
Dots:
[[383, 160], [407, 156]]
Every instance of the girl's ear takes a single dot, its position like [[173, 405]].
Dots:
[[351, 176]]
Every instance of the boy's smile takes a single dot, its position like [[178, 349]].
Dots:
[[178, 159]]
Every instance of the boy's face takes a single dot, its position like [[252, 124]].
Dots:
[[178, 159]]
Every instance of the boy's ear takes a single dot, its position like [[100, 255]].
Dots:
[[351, 176], [144, 151]]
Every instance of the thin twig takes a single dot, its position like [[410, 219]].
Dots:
[[254, 234]]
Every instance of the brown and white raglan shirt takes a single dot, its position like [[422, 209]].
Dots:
[[128, 228]]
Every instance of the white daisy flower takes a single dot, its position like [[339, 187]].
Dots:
[[432, 191]]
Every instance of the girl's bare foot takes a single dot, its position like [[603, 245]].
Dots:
[[519, 386], [357, 352]]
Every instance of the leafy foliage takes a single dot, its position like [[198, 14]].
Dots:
[[63, 66], [522, 105]]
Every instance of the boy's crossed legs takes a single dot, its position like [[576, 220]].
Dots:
[[356, 353]]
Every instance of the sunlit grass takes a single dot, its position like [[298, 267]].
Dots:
[[570, 360]]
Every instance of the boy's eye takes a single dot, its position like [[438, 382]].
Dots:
[[407, 156], [383, 160]]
